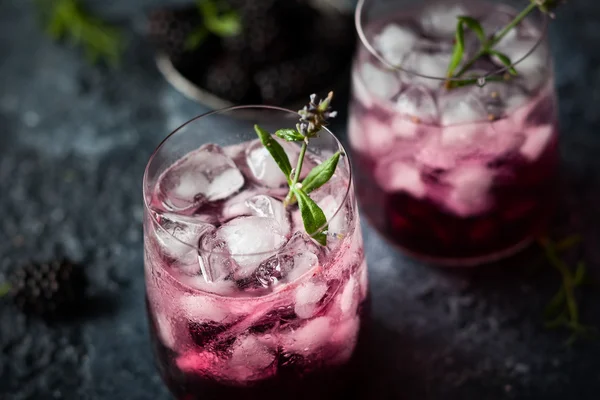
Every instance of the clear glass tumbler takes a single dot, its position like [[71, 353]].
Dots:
[[460, 168], [242, 302]]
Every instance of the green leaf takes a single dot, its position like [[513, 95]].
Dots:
[[320, 174], [291, 135], [504, 59], [312, 216], [221, 24], [475, 26], [225, 25], [195, 39], [4, 289], [459, 49], [276, 151]]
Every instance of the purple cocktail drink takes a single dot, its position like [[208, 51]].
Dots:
[[457, 171], [242, 301]]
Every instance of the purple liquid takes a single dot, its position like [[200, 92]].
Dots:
[[294, 377]]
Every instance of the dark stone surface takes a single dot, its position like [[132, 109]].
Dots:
[[74, 141]]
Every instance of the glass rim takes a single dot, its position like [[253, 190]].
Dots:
[[199, 248], [359, 12]]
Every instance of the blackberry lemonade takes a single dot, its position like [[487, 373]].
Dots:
[[242, 302], [456, 174]]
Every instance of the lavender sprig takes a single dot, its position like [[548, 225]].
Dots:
[[487, 43], [313, 117]]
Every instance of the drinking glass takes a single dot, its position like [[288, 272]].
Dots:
[[242, 302], [462, 170]]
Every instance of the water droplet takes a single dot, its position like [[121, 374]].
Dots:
[[481, 81]]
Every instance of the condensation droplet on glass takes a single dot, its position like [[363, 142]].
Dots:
[[481, 81]]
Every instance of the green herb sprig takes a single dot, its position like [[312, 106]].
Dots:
[[217, 19], [486, 46], [563, 309], [67, 19], [313, 118]]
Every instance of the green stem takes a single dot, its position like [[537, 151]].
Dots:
[[567, 281], [495, 39], [296, 177]]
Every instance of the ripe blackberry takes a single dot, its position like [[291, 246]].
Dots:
[[295, 78], [168, 29], [230, 80], [266, 36], [48, 289]]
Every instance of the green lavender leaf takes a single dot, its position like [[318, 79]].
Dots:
[[568, 242], [276, 151], [290, 135], [312, 216], [475, 26], [320, 174], [459, 48], [504, 59]]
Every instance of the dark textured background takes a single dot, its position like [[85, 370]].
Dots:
[[74, 141]]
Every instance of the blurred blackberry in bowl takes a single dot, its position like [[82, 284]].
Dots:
[[281, 51]]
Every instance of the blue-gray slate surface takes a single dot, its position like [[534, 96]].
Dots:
[[74, 140]]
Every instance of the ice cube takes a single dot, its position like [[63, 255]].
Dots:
[[268, 207], [235, 206], [264, 168], [436, 155], [349, 298], [382, 83], [376, 136], [463, 117], [199, 308], [531, 64], [344, 338], [250, 354], [198, 361], [394, 42], [222, 286], [398, 176], [165, 330], [363, 279], [204, 175], [461, 106], [418, 104], [307, 298], [537, 139], [335, 214], [304, 340], [441, 19], [500, 98], [250, 240], [298, 257], [430, 67], [179, 236], [470, 193]]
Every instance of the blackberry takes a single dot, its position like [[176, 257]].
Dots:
[[266, 36], [293, 79], [230, 80], [168, 29], [48, 289]]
